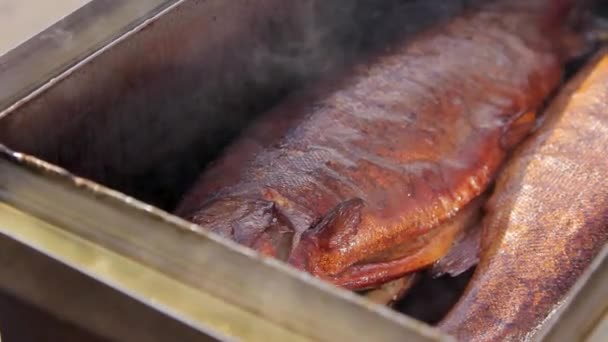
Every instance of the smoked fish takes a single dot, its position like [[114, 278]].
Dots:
[[546, 220], [369, 175]]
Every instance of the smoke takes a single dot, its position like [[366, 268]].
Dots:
[[150, 113], [325, 36]]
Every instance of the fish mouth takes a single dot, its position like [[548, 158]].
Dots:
[[254, 223], [277, 239]]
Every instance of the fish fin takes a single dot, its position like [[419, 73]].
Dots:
[[340, 224], [463, 255]]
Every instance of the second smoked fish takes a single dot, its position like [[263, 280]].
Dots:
[[546, 221]]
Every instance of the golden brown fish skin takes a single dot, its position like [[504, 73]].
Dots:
[[546, 221], [390, 151]]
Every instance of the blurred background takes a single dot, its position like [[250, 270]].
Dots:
[[22, 19]]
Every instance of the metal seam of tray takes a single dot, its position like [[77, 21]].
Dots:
[[96, 24]]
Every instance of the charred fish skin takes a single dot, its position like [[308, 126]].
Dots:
[[546, 221], [389, 152]]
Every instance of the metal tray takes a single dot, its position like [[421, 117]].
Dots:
[[137, 92]]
